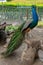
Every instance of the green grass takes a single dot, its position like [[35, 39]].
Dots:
[[19, 3]]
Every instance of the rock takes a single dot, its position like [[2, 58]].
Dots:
[[41, 44], [40, 53], [33, 43], [28, 56], [36, 44]]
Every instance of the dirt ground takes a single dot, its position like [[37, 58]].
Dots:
[[37, 34]]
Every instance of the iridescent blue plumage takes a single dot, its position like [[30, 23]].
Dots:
[[35, 19]]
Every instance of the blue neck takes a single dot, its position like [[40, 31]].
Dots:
[[34, 14]]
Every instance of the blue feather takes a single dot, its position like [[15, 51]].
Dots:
[[35, 18], [34, 14]]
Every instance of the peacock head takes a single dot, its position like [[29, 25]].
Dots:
[[33, 7]]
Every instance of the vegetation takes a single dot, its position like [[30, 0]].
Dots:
[[9, 0], [40, 24], [11, 28]]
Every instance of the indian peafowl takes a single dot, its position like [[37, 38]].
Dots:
[[34, 22], [18, 36]]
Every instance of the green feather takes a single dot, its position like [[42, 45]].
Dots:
[[16, 41]]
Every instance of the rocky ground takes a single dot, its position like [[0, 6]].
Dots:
[[36, 34]]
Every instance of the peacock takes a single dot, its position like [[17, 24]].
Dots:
[[19, 35], [35, 20]]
